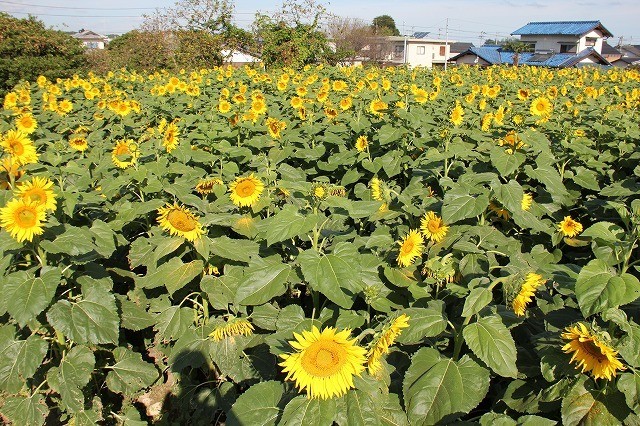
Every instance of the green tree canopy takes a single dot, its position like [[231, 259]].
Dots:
[[385, 25], [29, 49]]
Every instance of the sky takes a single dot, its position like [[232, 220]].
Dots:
[[460, 20]]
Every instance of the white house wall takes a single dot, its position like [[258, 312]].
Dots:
[[553, 42]]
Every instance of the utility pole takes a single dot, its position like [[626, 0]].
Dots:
[[446, 44], [404, 49]]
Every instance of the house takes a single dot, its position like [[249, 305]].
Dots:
[[459, 47], [417, 51], [626, 61], [494, 55], [91, 39], [610, 53], [564, 36], [237, 58], [629, 50], [553, 44]]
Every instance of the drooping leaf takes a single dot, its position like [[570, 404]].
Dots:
[[19, 360], [27, 295], [586, 405], [130, 373], [27, 411], [259, 405], [491, 341], [263, 280]]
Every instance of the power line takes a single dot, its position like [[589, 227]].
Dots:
[[72, 16], [79, 8]]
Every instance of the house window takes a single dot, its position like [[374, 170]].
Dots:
[[591, 41], [443, 50], [398, 51], [420, 50], [568, 48]]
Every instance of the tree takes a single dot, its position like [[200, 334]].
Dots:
[[352, 37], [28, 49], [517, 47], [292, 37], [384, 25]]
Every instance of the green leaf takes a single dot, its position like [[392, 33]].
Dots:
[[181, 274], [605, 231], [598, 288], [586, 405], [477, 299], [94, 319], [19, 360], [25, 411], [130, 373], [491, 341], [73, 374], [438, 389], [510, 195], [173, 321], [361, 409], [286, 224], [134, 317], [221, 291], [424, 322], [26, 295], [240, 250], [73, 242], [506, 163], [391, 413], [302, 411], [258, 405], [629, 385], [332, 275], [457, 207], [264, 279]]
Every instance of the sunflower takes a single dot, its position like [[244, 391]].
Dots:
[[319, 191], [345, 103], [79, 143], [592, 352], [523, 94], [457, 115], [245, 191], [324, 362], [26, 123], [433, 228], [500, 211], [224, 106], [377, 107], [410, 248], [569, 227], [22, 218], [258, 106], [380, 345], [205, 186], [541, 107], [527, 200], [20, 147], [125, 153], [376, 191], [233, 327], [362, 143], [38, 189], [170, 140], [275, 127], [179, 220], [526, 293]]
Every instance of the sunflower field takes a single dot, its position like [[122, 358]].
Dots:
[[349, 246]]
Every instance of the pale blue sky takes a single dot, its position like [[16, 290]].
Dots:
[[469, 20]]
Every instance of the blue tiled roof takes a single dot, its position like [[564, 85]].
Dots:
[[575, 28], [495, 56]]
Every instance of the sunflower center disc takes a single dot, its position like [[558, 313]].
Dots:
[[16, 147], [408, 247], [593, 350], [246, 188], [181, 221], [324, 358], [433, 226], [26, 218]]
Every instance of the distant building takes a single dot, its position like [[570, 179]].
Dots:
[[91, 39], [554, 44], [610, 53], [238, 58], [418, 52], [564, 36], [630, 50]]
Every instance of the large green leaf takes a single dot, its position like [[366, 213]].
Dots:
[[361, 408], [629, 385], [424, 322], [302, 411], [72, 375], [173, 321], [438, 389], [264, 279], [93, 319], [19, 360], [173, 274], [504, 162], [510, 195], [458, 206], [587, 405], [599, 288], [25, 411], [27, 295], [491, 341], [286, 224], [130, 373], [332, 275], [259, 405], [240, 250]]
